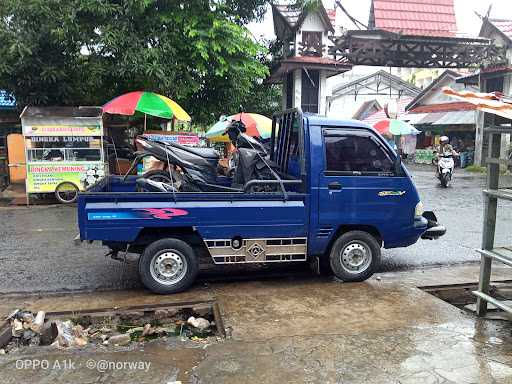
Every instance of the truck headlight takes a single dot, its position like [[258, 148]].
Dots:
[[418, 211]]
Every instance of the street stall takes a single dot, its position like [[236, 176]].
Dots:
[[151, 104], [64, 150]]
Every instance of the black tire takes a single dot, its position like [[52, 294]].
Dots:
[[445, 180], [66, 192], [168, 249], [355, 244]]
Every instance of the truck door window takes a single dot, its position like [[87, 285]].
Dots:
[[355, 155]]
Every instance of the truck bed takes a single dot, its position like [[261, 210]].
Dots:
[[113, 211]]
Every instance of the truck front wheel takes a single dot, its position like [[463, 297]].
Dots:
[[355, 256], [168, 266]]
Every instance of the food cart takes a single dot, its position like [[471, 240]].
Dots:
[[64, 150]]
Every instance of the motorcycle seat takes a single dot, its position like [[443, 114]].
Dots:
[[207, 153]]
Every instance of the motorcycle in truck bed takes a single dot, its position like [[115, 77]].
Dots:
[[334, 191]]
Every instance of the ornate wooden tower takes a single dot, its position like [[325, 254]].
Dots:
[[304, 65]]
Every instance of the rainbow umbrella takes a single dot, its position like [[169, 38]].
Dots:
[[394, 127], [148, 103], [257, 126]]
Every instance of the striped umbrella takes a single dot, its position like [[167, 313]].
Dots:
[[148, 103], [257, 126], [393, 127]]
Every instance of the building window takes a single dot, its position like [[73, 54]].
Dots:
[[355, 155], [310, 90], [311, 44]]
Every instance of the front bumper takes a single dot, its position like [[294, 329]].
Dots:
[[434, 229]]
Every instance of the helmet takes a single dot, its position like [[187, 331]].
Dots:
[[444, 139]]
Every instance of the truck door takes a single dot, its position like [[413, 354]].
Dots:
[[358, 185]]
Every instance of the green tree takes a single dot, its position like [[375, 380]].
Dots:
[[84, 52]]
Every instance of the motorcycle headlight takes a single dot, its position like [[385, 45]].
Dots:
[[418, 211]]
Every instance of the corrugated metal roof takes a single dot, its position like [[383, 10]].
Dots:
[[441, 118], [415, 17], [431, 118], [414, 118], [457, 118]]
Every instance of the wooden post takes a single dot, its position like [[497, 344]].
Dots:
[[489, 225]]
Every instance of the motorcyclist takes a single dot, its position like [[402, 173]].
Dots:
[[445, 147]]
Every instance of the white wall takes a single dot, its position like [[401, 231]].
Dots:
[[440, 98], [346, 106]]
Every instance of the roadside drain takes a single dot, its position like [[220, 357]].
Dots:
[[460, 296], [194, 320]]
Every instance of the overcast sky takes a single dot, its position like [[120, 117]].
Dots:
[[468, 23]]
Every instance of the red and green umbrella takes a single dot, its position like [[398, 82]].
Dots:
[[257, 126], [148, 103], [394, 127]]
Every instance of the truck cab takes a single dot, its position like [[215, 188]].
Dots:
[[339, 194]]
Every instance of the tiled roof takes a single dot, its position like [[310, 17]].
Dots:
[[444, 107], [415, 17], [504, 26], [7, 100], [294, 15], [381, 115]]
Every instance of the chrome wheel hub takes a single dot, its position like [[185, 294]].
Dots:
[[355, 257], [168, 267]]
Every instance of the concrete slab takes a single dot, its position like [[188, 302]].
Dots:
[[309, 330]]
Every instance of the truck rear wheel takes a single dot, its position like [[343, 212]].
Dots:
[[355, 256], [168, 266]]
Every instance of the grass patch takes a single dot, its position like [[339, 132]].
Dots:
[[475, 169]]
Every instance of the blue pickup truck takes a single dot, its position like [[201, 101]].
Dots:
[[338, 194]]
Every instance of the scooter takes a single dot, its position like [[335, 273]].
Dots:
[[445, 168], [194, 169]]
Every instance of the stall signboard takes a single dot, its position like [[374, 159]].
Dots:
[[62, 130], [192, 140], [44, 177], [424, 156]]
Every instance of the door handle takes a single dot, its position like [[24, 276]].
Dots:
[[335, 186]]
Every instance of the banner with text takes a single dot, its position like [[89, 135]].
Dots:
[[44, 177]]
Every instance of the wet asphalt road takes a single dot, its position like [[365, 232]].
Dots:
[[37, 251]]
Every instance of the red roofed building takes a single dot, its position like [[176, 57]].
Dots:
[[414, 17], [436, 114]]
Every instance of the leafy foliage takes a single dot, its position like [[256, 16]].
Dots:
[[85, 52]]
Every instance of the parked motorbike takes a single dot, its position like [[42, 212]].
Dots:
[[445, 168], [190, 169], [250, 159]]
